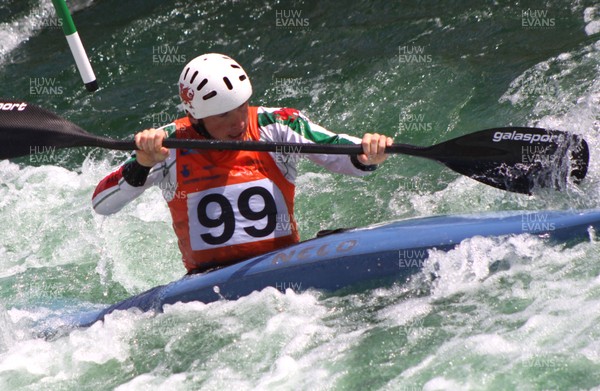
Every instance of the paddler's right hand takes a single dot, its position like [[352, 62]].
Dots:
[[150, 150]]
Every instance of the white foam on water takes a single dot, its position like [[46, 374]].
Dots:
[[104, 341], [274, 340], [592, 20], [30, 196], [278, 340], [406, 312], [439, 383], [155, 382], [16, 32], [52, 224], [68, 358], [538, 312], [492, 344], [51, 215], [42, 16]]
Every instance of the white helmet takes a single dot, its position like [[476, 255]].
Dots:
[[213, 84]]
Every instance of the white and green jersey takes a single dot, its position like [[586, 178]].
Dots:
[[290, 125], [275, 124]]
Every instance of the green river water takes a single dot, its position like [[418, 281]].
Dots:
[[419, 71]]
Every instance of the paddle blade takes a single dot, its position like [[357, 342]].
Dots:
[[516, 159], [26, 129]]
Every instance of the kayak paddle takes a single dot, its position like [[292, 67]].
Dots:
[[515, 159]]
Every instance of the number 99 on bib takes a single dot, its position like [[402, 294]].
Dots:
[[240, 213]]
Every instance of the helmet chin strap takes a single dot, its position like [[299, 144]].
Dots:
[[198, 125]]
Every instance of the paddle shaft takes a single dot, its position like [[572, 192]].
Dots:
[[278, 147]]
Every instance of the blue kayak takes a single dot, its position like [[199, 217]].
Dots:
[[364, 257]]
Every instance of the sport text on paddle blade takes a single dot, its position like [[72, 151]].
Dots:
[[517, 159], [26, 129]]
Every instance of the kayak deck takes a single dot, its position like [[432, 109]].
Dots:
[[392, 251]]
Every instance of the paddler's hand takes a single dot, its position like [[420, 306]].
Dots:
[[374, 148], [150, 150]]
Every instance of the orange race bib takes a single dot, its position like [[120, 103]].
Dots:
[[237, 204]]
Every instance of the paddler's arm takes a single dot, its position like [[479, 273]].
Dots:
[[363, 164], [145, 169], [291, 125]]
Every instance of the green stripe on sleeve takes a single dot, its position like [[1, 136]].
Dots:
[[302, 127]]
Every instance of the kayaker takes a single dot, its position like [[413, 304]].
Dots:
[[228, 206]]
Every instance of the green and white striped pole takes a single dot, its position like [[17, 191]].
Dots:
[[81, 58]]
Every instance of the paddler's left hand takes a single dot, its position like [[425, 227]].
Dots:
[[374, 148]]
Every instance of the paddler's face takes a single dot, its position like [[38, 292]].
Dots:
[[229, 126]]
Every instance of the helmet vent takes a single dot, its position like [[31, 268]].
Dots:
[[193, 76], [235, 66], [202, 84], [186, 72], [243, 77], [211, 94], [228, 83]]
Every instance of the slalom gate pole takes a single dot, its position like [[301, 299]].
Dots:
[[81, 58]]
